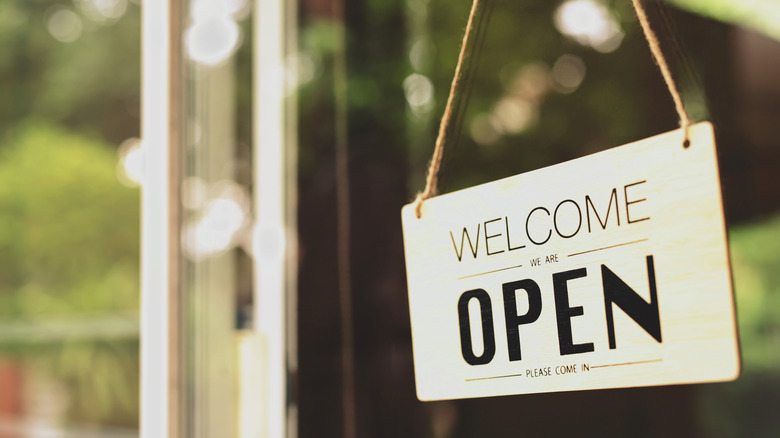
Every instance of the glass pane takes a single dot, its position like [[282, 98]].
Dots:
[[69, 218], [216, 212], [548, 82], [218, 367]]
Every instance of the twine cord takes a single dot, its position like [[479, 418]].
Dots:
[[655, 49], [438, 152], [433, 168]]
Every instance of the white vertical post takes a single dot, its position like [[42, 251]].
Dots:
[[272, 233], [158, 281]]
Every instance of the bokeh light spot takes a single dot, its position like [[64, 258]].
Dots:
[[419, 92], [64, 25], [590, 23], [568, 73]]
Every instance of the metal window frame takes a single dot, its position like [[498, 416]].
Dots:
[[275, 162], [160, 130], [162, 392]]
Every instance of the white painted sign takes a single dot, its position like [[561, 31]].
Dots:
[[607, 271]]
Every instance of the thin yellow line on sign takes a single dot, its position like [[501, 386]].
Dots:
[[494, 377], [607, 247], [627, 363], [489, 272]]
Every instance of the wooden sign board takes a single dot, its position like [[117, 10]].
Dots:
[[607, 271]]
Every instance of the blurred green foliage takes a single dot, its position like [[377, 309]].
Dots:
[[69, 231], [755, 258], [731, 410], [90, 84], [760, 15], [69, 234]]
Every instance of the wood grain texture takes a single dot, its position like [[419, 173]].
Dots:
[[647, 214]]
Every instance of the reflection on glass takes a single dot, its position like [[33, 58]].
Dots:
[[130, 169], [219, 222], [213, 35]]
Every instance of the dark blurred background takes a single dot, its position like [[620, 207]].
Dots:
[[550, 81]]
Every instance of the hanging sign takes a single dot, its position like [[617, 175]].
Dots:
[[607, 271]]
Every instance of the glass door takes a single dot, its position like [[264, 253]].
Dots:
[[218, 261]]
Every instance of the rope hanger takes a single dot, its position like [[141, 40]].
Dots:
[[655, 48], [431, 181]]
